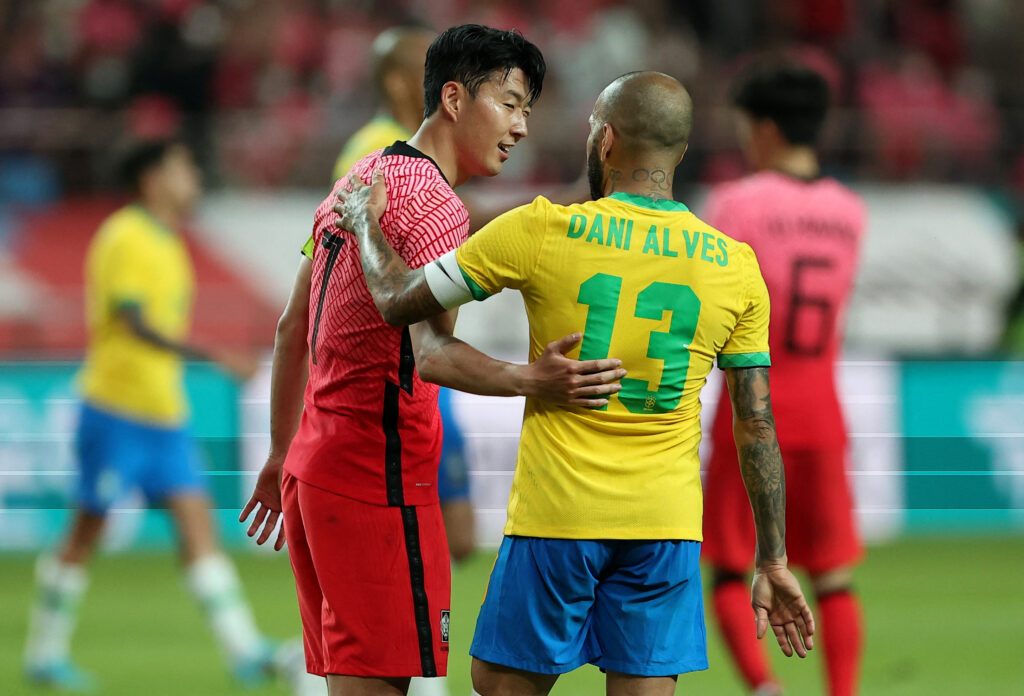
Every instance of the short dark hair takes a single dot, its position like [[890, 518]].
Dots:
[[795, 98], [139, 157], [471, 53]]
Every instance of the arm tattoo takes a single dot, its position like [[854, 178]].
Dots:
[[400, 293], [760, 458]]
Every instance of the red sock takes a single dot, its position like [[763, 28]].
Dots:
[[841, 632], [736, 622]]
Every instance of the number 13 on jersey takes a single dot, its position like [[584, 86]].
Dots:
[[602, 294]]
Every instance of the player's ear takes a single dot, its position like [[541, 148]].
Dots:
[[681, 156], [452, 99], [607, 141]]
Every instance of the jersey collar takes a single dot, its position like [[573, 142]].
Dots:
[[400, 147], [648, 202]]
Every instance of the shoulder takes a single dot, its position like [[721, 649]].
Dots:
[[534, 218], [751, 186], [849, 202], [415, 184], [692, 221], [362, 167], [540, 207], [127, 226]]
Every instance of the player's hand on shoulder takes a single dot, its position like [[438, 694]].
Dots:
[[371, 200], [266, 502], [779, 602], [556, 378]]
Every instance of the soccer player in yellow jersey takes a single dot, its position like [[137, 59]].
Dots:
[[600, 559], [397, 59], [132, 432]]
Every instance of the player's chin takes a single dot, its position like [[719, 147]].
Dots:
[[494, 167]]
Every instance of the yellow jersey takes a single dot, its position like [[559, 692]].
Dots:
[[649, 283], [135, 259], [379, 133]]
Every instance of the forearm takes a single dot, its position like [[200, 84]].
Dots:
[[399, 292], [760, 459], [288, 377], [132, 316], [452, 363], [764, 478]]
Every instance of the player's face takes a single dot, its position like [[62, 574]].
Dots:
[[180, 178], [492, 123]]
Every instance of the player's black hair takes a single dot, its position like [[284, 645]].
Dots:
[[471, 54], [795, 98], [139, 157]]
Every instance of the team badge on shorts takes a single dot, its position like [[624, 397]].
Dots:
[[445, 624]]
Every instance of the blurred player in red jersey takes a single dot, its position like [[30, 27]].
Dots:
[[357, 477], [806, 230]]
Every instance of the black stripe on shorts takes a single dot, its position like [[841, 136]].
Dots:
[[421, 608]]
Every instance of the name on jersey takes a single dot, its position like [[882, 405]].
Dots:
[[618, 233]]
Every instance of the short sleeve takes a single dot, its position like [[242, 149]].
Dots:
[[126, 269], [505, 252], [748, 344]]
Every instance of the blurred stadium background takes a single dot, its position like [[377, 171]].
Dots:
[[929, 127]]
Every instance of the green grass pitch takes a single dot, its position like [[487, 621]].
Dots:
[[942, 615]]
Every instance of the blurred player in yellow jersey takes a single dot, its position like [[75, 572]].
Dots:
[[397, 59], [132, 432], [600, 559]]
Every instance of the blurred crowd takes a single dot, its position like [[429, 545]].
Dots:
[[268, 90]]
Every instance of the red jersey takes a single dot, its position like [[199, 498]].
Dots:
[[807, 236], [371, 429]]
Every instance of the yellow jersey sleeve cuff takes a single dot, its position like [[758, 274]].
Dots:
[[479, 294], [744, 360], [307, 248]]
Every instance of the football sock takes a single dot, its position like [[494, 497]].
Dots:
[[213, 581], [842, 635], [59, 589], [736, 621]]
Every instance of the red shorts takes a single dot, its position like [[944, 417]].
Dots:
[[820, 530], [374, 583]]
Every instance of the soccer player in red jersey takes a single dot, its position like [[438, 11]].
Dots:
[[806, 230], [353, 465]]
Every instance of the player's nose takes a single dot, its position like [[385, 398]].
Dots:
[[518, 129]]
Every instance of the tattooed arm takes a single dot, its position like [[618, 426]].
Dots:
[[404, 297], [401, 294], [760, 459], [775, 593]]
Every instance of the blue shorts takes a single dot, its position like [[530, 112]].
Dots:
[[633, 607], [452, 473], [117, 455]]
